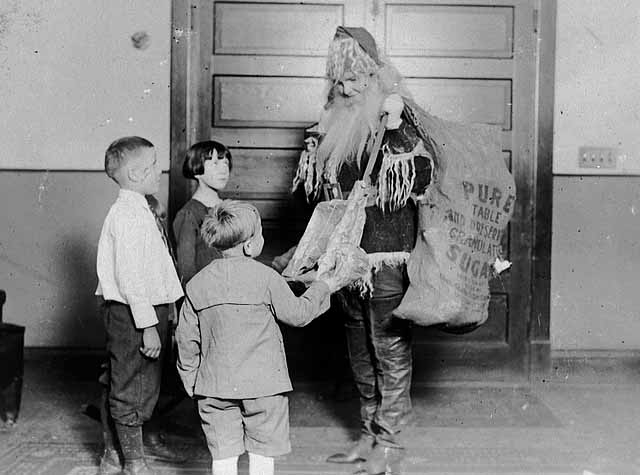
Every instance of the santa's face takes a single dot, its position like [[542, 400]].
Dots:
[[351, 84]]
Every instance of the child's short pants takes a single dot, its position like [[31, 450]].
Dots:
[[233, 426]]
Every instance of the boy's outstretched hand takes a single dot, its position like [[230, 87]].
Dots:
[[151, 343], [343, 265], [279, 263]]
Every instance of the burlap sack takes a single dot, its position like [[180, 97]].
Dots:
[[462, 218], [334, 230], [315, 239]]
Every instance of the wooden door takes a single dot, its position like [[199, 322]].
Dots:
[[250, 74]]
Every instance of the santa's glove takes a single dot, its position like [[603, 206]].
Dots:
[[393, 106]]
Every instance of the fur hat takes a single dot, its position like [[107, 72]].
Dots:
[[352, 49], [362, 36]]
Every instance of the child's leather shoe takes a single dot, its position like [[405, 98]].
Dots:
[[138, 467], [110, 463], [357, 453], [156, 448]]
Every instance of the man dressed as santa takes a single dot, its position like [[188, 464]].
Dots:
[[362, 88]]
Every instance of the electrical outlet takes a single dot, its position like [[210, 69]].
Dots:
[[597, 157]]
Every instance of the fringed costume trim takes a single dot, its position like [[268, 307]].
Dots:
[[306, 173], [364, 286], [397, 177]]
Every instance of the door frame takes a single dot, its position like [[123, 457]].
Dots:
[[191, 112], [540, 315], [191, 88]]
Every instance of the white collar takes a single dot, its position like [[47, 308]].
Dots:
[[133, 197]]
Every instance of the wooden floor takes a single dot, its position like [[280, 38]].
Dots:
[[567, 425]]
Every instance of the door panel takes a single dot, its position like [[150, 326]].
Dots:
[[300, 29], [262, 171], [245, 101], [463, 60], [465, 100], [494, 330], [449, 30]]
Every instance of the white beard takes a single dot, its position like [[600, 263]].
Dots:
[[345, 126]]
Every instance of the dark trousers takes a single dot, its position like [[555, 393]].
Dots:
[[379, 346], [134, 379]]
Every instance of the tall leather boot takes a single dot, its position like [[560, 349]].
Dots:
[[362, 367], [357, 453], [130, 438], [391, 338], [110, 461]]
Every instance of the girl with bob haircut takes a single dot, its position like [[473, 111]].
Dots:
[[209, 163]]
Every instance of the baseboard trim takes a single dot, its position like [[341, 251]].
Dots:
[[589, 354], [45, 352], [539, 360], [595, 366]]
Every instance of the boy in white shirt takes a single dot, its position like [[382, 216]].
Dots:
[[138, 281]]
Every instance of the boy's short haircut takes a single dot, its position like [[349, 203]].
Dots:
[[120, 151], [198, 153], [230, 223]]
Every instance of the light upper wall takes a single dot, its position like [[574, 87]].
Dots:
[[597, 98], [71, 80]]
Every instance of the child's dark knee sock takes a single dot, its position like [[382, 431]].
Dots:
[[108, 428], [130, 438]]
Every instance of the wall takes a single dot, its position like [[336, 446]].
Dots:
[[75, 74], [595, 298], [51, 219], [72, 79], [50, 230]]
